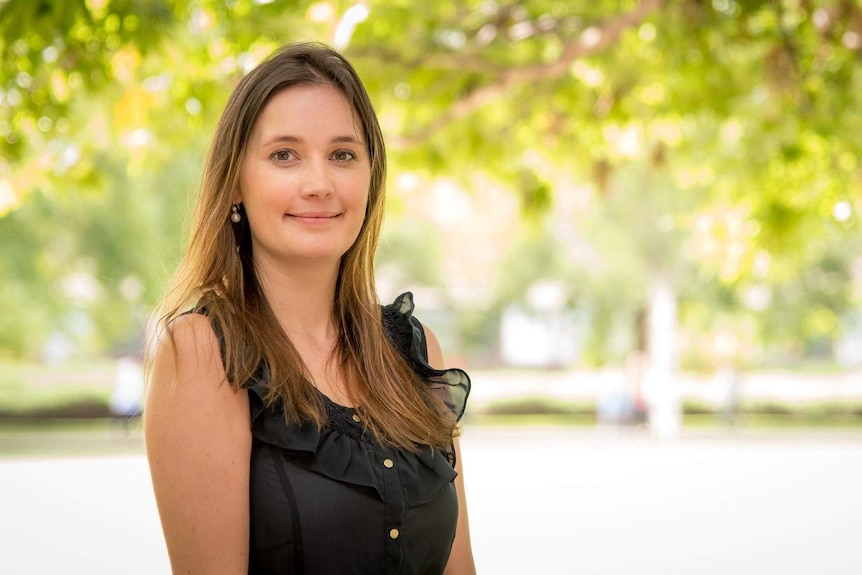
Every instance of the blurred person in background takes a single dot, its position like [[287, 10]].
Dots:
[[293, 424]]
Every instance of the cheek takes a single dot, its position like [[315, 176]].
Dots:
[[246, 177], [364, 192], [366, 199], [361, 210], [364, 207]]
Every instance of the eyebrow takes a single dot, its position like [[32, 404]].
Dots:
[[298, 140]]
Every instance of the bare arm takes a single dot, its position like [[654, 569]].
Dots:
[[198, 438], [461, 558]]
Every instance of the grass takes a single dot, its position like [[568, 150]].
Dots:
[[529, 420], [70, 437], [49, 410], [62, 410], [42, 395], [767, 414]]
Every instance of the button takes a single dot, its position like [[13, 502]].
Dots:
[[393, 534], [388, 464], [356, 418]]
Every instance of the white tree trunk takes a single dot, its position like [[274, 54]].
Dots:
[[661, 387]]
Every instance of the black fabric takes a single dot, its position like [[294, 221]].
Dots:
[[325, 501]]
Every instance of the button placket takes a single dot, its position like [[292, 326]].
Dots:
[[394, 514]]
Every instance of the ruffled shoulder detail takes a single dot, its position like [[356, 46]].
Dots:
[[406, 333]]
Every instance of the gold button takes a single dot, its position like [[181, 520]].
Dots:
[[356, 418], [388, 464], [393, 534]]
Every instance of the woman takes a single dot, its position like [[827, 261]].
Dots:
[[292, 424]]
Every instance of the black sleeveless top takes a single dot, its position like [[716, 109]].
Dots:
[[332, 501]]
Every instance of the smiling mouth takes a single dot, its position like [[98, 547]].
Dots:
[[313, 217]]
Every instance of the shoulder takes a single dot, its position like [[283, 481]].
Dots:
[[187, 358], [405, 332], [188, 340], [421, 349], [435, 352], [416, 342], [192, 331]]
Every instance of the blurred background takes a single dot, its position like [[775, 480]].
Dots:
[[635, 223]]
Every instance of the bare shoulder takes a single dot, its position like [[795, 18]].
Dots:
[[188, 373], [189, 340], [187, 383], [435, 352], [193, 328]]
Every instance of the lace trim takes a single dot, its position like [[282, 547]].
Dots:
[[340, 420]]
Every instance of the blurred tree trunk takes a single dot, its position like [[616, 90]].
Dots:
[[661, 385]]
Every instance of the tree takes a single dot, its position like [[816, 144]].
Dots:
[[723, 133]]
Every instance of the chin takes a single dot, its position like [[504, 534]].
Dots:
[[319, 255]]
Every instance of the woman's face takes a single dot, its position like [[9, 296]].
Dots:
[[305, 177]]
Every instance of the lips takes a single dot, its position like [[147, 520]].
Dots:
[[314, 217]]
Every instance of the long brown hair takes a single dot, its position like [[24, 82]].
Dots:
[[217, 274]]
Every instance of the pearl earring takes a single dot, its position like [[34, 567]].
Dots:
[[235, 216]]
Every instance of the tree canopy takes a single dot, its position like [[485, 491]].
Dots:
[[715, 141]]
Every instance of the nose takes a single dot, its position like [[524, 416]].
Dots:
[[317, 181]]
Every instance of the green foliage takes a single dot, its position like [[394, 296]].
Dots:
[[716, 141]]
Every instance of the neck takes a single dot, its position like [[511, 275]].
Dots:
[[301, 296]]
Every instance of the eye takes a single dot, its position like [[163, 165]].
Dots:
[[343, 156], [281, 155]]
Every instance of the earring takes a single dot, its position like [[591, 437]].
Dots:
[[235, 216]]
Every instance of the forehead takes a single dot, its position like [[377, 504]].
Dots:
[[307, 111]]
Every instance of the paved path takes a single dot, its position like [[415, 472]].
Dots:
[[570, 503], [542, 501]]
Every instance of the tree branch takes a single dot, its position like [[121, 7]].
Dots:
[[451, 62], [591, 41]]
